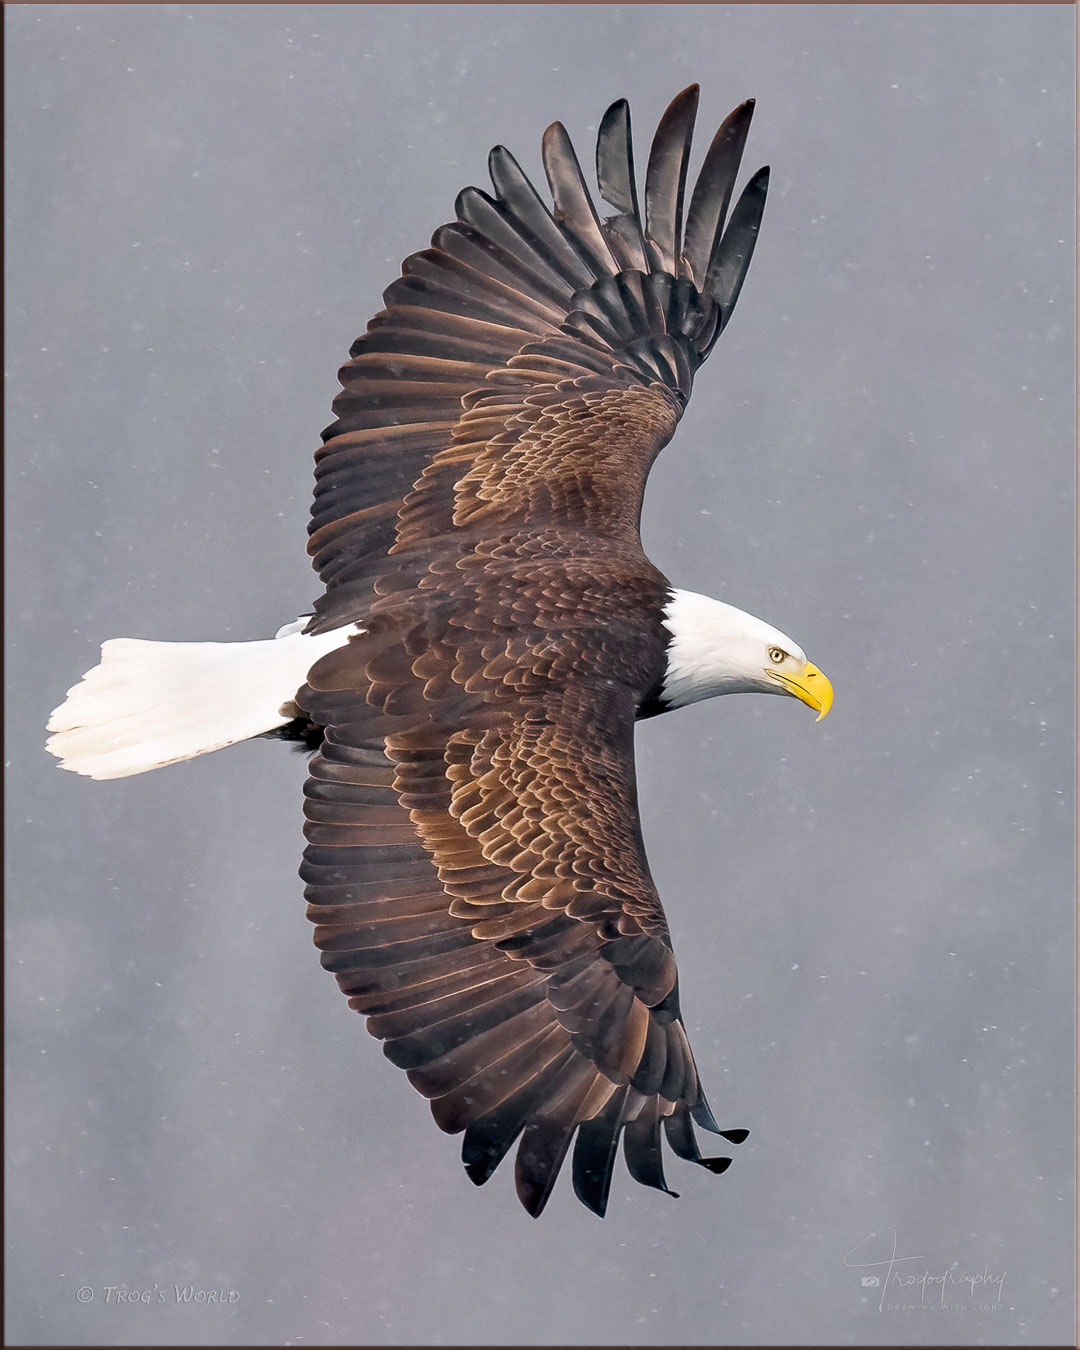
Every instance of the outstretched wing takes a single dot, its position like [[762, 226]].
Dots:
[[476, 871], [520, 317]]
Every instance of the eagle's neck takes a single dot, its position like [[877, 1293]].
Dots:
[[713, 649]]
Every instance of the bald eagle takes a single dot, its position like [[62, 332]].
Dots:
[[489, 632]]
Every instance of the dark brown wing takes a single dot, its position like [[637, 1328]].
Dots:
[[516, 304], [476, 871]]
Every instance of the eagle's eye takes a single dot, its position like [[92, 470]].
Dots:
[[776, 655]]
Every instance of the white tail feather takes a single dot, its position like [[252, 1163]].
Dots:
[[154, 703]]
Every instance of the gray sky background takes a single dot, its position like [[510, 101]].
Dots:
[[873, 916]]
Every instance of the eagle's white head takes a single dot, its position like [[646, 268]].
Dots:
[[718, 649]]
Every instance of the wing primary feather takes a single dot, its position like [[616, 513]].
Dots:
[[680, 1135], [641, 1146], [594, 1154], [665, 177], [618, 187], [573, 205], [712, 192], [615, 159], [733, 251], [703, 1115]]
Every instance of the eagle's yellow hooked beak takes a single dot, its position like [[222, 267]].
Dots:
[[810, 686]]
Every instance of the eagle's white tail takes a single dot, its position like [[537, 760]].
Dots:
[[153, 703]]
